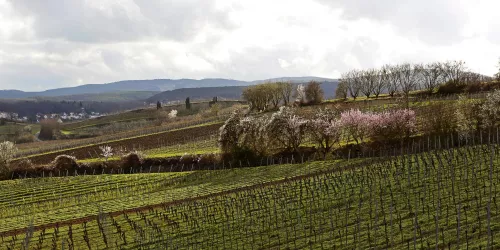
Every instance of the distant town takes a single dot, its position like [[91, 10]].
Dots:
[[61, 117]]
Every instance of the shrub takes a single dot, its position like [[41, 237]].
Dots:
[[22, 165], [451, 88], [208, 159], [439, 119], [474, 87], [24, 138], [490, 86], [48, 129], [132, 160], [64, 162], [188, 159], [28, 129]]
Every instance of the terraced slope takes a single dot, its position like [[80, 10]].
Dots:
[[443, 199], [52, 200]]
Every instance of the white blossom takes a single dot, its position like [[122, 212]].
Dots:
[[172, 114], [8, 151], [106, 152]]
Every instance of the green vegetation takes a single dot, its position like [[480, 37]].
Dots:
[[151, 140], [444, 198], [48, 200], [421, 199], [134, 115]]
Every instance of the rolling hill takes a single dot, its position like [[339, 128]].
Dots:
[[229, 92], [157, 85]]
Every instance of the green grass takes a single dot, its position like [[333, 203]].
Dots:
[[11, 128], [111, 141], [140, 114], [390, 204]]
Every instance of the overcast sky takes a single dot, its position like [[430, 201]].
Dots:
[[51, 43]]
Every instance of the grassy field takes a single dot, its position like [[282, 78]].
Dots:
[[446, 199], [11, 128], [127, 144], [139, 114]]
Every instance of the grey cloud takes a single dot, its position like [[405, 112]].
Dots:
[[431, 21], [29, 76], [76, 20]]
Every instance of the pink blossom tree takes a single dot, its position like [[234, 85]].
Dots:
[[356, 124], [394, 125], [325, 129]]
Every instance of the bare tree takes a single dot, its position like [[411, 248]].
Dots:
[[392, 79], [369, 79], [354, 83], [432, 75], [341, 90], [497, 75], [275, 93], [408, 77], [314, 93], [453, 71], [286, 92], [381, 81], [470, 78]]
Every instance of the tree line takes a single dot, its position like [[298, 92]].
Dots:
[[446, 77], [271, 95]]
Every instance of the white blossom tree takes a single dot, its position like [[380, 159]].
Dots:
[[286, 128], [8, 151], [106, 152], [252, 134], [172, 114], [300, 94], [464, 116], [229, 133], [490, 110]]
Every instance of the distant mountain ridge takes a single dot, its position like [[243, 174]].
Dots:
[[227, 92], [156, 85]]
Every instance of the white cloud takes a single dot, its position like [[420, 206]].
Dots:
[[54, 44]]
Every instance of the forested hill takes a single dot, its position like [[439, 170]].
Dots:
[[230, 92]]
